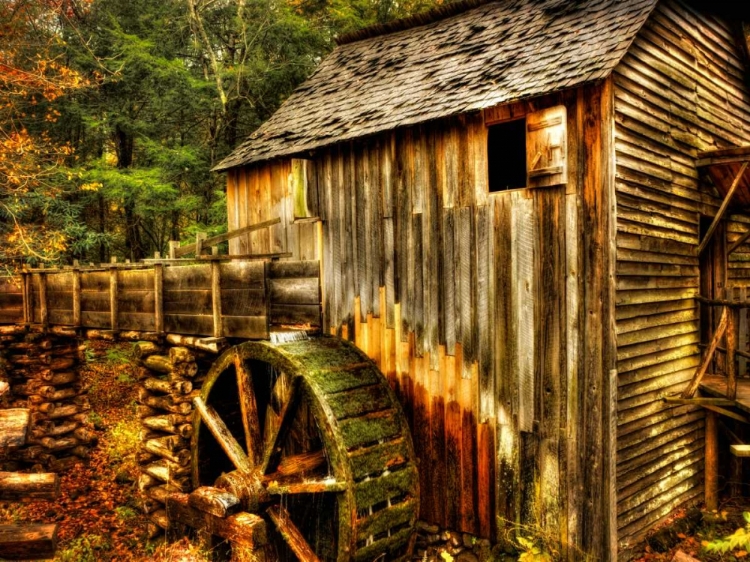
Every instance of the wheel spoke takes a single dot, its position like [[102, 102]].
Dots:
[[221, 432], [249, 407], [292, 534], [296, 465], [276, 488], [275, 441]]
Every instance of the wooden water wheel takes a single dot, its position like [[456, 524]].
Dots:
[[309, 438]]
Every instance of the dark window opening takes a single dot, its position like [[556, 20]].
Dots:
[[506, 155]]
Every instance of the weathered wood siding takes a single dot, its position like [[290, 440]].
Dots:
[[259, 194], [680, 89], [472, 305]]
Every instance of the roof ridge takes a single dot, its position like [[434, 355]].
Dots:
[[428, 16]]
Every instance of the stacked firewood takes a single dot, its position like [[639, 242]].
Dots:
[[168, 383], [42, 371]]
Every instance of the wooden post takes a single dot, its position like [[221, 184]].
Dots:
[[732, 323], [199, 238], [173, 245], [712, 462], [159, 298], [76, 296], [26, 292], [43, 299], [113, 298], [216, 297]]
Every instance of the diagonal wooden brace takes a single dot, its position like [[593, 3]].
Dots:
[[723, 208], [691, 389]]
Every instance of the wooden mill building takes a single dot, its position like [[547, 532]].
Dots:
[[507, 200]]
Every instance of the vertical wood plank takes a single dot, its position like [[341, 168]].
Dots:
[[362, 199], [712, 461], [431, 250], [449, 280], [523, 248], [233, 211], [159, 298], [278, 181], [76, 297], [113, 302], [216, 299], [43, 304], [484, 323]]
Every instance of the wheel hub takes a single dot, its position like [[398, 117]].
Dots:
[[247, 486]]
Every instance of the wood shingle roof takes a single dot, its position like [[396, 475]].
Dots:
[[487, 54]]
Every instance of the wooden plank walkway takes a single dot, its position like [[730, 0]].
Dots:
[[716, 385]]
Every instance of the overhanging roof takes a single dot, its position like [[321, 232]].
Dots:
[[458, 59]]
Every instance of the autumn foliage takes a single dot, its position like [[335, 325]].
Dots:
[[32, 77]]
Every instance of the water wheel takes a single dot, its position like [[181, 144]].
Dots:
[[308, 437]]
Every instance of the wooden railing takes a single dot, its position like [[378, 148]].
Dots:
[[214, 296], [732, 328]]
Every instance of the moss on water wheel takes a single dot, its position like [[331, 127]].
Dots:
[[310, 436]]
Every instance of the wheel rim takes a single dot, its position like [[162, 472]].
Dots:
[[268, 418]]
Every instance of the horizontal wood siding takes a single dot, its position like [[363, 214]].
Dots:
[[680, 89], [470, 304]]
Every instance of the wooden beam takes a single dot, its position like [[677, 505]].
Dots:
[[44, 312], [113, 308], [209, 258], [76, 297], [739, 242], [727, 413], [738, 352], [733, 322], [26, 292], [724, 302], [291, 534], [14, 423], [244, 529], [158, 298], [223, 436], [200, 238], [216, 298], [723, 208], [712, 462], [740, 450], [174, 245], [698, 401], [17, 486], [190, 248], [689, 392], [28, 541]]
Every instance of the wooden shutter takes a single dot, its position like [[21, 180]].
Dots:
[[546, 147]]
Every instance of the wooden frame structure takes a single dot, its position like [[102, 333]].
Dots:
[[211, 296]]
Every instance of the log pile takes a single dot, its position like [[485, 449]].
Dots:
[[169, 379], [42, 370]]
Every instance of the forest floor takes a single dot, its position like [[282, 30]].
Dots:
[[97, 510], [689, 532]]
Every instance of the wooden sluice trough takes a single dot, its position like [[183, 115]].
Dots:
[[215, 297]]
